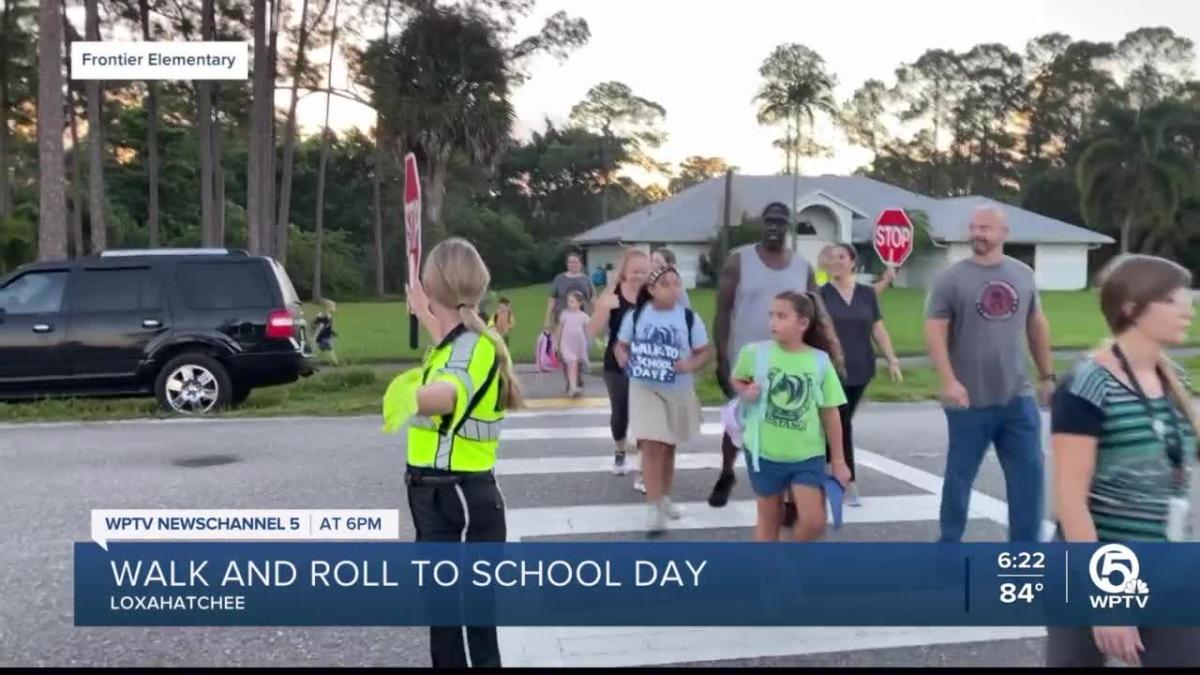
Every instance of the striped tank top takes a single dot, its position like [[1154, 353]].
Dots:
[[1134, 479]]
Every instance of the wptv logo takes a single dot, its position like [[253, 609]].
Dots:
[[1114, 570]]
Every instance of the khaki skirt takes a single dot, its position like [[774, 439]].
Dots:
[[670, 416]]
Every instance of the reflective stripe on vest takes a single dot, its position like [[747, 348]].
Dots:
[[480, 430], [467, 438]]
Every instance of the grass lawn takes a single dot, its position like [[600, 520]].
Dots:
[[358, 390], [378, 332]]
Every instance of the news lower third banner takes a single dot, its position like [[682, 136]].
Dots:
[[387, 583]]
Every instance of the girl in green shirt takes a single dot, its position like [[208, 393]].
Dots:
[[801, 394]]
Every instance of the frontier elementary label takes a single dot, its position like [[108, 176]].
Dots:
[[160, 60]]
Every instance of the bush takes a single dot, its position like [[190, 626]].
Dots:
[[748, 232], [343, 276]]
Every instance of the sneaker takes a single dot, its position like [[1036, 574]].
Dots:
[[619, 468], [656, 519], [671, 509], [720, 491], [852, 498], [639, 484], [789, 514]]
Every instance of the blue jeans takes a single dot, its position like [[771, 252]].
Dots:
[[1015, 429]]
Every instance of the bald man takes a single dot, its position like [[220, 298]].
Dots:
[[980, 313]]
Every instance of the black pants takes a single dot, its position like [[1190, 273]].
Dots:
[[438, 515], [854, 395], [618, 397], [1166, 647]]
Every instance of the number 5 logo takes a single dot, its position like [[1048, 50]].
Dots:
[[1113, 559]]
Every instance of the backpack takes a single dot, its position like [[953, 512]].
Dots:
[[689, 318], [743, 420], [546, 359]]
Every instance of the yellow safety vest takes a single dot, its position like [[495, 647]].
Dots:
[[822, 277], [466, 439]]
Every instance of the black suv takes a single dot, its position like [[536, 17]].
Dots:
[[197, 328]]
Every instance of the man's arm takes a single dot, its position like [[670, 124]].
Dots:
[[549, 312], [937, 343], [726, 292], [1038, 332], [812, 278]]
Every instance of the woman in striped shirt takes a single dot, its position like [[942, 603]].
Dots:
[[1124, 440]]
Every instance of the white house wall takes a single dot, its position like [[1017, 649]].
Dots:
[[1061, 267]]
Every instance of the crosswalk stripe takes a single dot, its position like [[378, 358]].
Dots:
[[641, 646], [580, 433], [613, 518]]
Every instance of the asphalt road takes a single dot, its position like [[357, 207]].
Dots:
[[53, 475]]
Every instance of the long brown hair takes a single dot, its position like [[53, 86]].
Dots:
[[1128, 286], [455, 276], [820, 333]]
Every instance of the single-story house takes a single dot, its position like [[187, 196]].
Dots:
[[834, 209]]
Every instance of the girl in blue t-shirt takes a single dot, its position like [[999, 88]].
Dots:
[[660, 344]]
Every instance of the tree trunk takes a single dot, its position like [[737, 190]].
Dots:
[[1127, 232], [377, 179], [218, 144], [152, 169], [52, 205], [326, 141], [433, 189], [603, 188], [77, 247], [5, 184], [268, 203], [96, 145], [284, 213], [204, 127], [261, 121]]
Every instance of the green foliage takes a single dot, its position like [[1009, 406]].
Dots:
[[697, 169], [342, 276], [748, 232]]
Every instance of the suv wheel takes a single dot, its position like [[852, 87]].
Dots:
[[193, 384]]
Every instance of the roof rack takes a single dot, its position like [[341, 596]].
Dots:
[[124, 253]]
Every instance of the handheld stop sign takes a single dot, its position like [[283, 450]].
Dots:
[[893, 237], [412, 236]]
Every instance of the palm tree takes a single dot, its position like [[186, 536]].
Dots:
[[796, 88], [442, 87], [52, 203], [1134, 173]]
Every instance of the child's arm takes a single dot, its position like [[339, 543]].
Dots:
[[699, 358], [831, 422], [747, 390], [621, 352]]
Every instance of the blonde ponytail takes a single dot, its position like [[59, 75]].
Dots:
[[511, 396], [1179, 393]]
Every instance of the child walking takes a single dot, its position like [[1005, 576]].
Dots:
[[571, 341], [661, 343], [503, 320], [325, 333], [800, 395]]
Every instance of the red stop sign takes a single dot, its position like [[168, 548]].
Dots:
[[893, 237]]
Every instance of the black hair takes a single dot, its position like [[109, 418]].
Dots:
[[504, 301], [644, 296], [667, 255], [849, 249]]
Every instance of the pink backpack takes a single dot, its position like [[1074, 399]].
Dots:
[[547, 360]]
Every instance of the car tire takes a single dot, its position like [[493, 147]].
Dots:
[[193, 383]]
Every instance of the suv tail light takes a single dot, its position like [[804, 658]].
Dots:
[[281, 325]]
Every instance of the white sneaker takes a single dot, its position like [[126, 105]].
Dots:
[[671, 509], [620, 464], [852, 496], [656, 520], [639, 484]]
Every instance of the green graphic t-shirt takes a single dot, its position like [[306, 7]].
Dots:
[[792, 429]]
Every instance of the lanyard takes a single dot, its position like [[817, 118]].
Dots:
[[1173, 444]]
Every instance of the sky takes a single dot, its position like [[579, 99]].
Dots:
[[699, 59]]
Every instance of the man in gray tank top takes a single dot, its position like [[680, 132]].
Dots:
[[750, 280]]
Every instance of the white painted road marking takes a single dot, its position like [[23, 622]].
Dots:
[[604, 646]]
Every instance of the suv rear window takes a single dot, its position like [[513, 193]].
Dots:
[[290, 297], [225, 285]]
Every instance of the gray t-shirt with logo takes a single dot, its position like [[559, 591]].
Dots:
[[988, 308]]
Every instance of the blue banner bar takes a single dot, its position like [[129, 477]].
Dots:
[[634, 583]]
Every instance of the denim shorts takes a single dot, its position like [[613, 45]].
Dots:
[[776, 478]]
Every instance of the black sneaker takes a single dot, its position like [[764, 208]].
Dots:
[[789, 514], [720, 491]]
